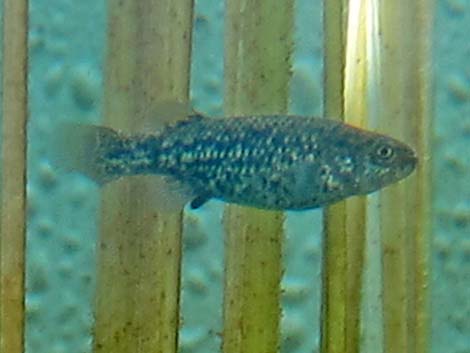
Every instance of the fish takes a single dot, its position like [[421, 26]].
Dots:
[[275, 162]]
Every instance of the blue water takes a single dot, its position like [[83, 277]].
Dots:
[[67, 42]]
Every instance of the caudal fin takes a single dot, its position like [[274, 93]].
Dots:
[[81, 148]]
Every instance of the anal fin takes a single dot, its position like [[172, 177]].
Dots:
[[162, 193]]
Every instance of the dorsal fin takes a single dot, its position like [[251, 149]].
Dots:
[[164, 113]]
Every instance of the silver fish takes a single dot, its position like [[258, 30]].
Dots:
[[273, 162]]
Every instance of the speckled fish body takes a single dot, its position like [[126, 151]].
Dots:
[[271, 162]]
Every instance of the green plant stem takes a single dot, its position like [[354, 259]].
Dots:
[[257, 74], [137, 301], [339, 327], [406, 114], [13, 182]]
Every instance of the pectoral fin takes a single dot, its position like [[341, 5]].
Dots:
[[199, 201]]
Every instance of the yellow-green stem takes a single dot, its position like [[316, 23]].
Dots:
[[257, 74], [137, 301], [345, 98], [406, 114], [13, 179]]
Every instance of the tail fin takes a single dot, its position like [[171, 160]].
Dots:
[[81, 148]]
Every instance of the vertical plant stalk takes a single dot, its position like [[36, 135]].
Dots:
[[333, 310], [356, 113], [257, 74], [390, 74], [350, 324], [13, 182], [405, 208], [346, 78], [137, 301]]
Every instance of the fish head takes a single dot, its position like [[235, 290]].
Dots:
[[385, 161]]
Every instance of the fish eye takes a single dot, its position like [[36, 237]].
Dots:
[[385, 152]]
